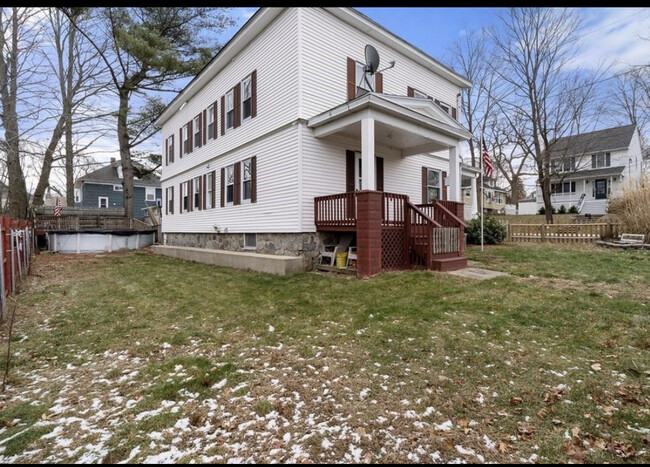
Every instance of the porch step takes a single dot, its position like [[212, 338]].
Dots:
[[449, 264]]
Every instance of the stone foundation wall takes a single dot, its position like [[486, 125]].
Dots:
[[307, 245]]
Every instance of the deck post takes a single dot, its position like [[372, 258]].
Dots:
[[368, 233], [368, 181]]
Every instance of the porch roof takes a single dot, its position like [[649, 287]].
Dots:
[[406, 125], [580, 174]]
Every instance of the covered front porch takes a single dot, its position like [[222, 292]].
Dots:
[[394, 141]]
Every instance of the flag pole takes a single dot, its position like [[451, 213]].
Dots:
[[482, 195]]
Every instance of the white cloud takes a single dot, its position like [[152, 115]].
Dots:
[[614, 36]]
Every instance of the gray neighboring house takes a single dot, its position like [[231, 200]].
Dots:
[[591, 168], [103, 189]]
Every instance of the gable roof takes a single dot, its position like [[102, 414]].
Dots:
[[595, 141], [265, 16], [109, 174]]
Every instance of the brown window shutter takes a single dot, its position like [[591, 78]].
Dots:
[[171, 211], [436, 101], [167, 202], [425, 190], [180, 146], [352, 86], [237, 197], [205, 191], [444, 186], [379, 83], [180, 198], [190, 147], [190, 196], [172, 148], [254, 94], [214, 186], [223, 186], [166, 152], [349, 171], [204, 130], [200, 116], [379, 169], [453, 113], [254, 179], [223, 115], [215, 129], [410, 92], [237, 97], [200, 193]]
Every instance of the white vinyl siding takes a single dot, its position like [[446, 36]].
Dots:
[[325, 44], [277, 208]]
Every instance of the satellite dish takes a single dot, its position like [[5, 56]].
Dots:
[[372, 59]]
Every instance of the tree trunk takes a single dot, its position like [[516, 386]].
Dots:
[[125, 152], [17, 199], [44, 179], [67, 115]]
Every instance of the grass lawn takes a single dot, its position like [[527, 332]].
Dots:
[[135, 357]]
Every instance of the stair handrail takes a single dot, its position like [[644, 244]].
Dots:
[[447, 211]]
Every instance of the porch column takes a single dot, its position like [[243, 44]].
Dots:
[[454, 176], [368, 233], [474, 197], [368, 181]]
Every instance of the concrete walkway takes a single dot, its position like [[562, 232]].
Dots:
[[475, 272]]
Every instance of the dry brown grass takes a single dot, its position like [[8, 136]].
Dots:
[[632, 208]]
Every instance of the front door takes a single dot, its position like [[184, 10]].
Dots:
[[601, 189]]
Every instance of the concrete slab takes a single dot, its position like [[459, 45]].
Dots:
[[478, 273], [272, 264]]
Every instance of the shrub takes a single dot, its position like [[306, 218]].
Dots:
[[493, 231], [632, 208], [541, 211], [573, 209], [562, 209]]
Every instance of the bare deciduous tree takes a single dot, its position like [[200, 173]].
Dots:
[[544, 98]]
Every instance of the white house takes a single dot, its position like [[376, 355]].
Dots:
[[591, 168], [279, 144]]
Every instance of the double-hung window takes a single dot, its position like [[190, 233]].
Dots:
[[150, 193], [247, 98], [362, 85], [208, 188], [230, 184], [196, 126], [212, 120], [186, 197], [196, 193], [170, 200], [230, 109], [170, 149], [246, 180], [419, 94], [434, 185], [600, 160], [186, 138]]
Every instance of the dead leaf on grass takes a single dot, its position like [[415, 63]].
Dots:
[[608, 410], [516, 400], [503, 448], [525, 430], [622, 450], [596, 367], [575, 432], [542, 414]]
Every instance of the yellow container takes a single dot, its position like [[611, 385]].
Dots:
[[341, 259]]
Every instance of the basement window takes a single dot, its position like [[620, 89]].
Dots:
[[250, 241]]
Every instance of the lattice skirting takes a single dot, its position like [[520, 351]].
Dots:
[[392, 249]]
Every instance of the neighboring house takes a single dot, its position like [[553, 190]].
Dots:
[[278, 144], [494, 197], [591, 168], [527, 205], [103, 189], [470, 190]]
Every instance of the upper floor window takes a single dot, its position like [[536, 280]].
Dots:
[[150, 193], [170, 200], [419, 94], [600, 160], [445, 107], [360, 79], [246, 180], [434, 185], [170, 149], [197, 131], [230, 109], [247, 97], [230, 184], [186, 138], [212, 120], [118, 188]]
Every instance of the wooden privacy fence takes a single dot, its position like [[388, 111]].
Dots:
[[562, 233], [16, 251]]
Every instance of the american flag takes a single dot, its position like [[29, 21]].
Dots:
[[487, 162], [58, 207]]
